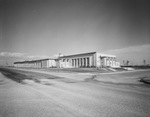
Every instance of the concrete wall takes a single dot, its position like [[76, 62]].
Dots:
[[77, 61], [44, 64], [51, 63], [93, 59], [37, 64], [105, 60]]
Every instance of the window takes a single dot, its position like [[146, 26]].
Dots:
[[87, 61]]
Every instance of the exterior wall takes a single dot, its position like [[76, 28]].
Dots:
[[37, 64], [66, 63], [104, 60], [44, 64], [77, 61], [74, 61], [51, 63]]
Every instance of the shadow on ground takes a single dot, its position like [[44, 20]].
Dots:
[[14, 76], [28, 78]]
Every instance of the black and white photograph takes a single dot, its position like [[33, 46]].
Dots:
[[74, 58]]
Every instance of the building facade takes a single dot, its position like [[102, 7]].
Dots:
[[92, 59], [42, 63]]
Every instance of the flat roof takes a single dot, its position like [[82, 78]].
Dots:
[[106, 55], [68, 56], [89, 53], [32, 61]]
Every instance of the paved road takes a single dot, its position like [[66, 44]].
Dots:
[[74, 98]]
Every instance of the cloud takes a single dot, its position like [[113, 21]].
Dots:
[[7, 58], [22, 55], [136, 54], [1, 60], [137, 49], [7, 54], [36, 57], [57, 55]]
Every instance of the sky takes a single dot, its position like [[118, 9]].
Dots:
[[32, 29]]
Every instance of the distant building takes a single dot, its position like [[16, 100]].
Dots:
[[42, 63], [92, 59]]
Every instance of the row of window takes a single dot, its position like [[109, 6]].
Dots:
[[78, 61]]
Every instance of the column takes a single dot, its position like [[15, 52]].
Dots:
[[90, 61], [72, 63], [82, 62], [77, 63], [110, 61], [115, 62], [85, 62]]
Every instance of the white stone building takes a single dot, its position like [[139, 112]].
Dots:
[[92, 59], [42, 63]]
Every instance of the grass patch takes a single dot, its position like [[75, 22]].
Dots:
[[24, 76]]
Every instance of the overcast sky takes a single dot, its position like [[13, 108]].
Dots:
[[34, 28]]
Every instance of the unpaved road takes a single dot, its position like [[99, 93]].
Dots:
[[64, 97]]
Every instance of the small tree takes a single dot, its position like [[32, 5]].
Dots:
[[123, 62], [127, 63], [144, 62]]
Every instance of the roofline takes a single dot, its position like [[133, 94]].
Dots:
[[77, 54], [30, 61], [82, 54], [107, 55]]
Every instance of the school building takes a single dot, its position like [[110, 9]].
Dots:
[[91, 59]]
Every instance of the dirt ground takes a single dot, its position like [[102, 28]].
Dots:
[[36, 93]]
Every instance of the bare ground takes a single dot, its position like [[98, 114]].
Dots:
[[26, 93]]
